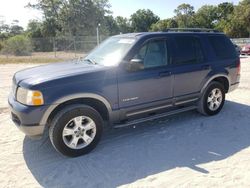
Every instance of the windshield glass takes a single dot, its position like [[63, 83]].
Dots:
[[111, 51]]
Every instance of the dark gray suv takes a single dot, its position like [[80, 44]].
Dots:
[[128, 79]]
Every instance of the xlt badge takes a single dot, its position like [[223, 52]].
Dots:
[[130, 99]]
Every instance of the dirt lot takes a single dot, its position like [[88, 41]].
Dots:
[[40, 57], [187, 150]]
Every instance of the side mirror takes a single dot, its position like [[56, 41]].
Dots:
[[134, 65]]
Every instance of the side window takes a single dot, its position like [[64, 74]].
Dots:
[[223, 47], [142, 52], [153, 54], [188, 50]]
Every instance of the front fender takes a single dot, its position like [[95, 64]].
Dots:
[[64, 99]]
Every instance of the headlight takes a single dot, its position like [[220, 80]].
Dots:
[[29, 97]]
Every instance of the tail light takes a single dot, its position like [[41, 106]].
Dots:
[[238, 67]]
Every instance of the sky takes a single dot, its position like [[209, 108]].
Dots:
[[15, 9], [162, 8]]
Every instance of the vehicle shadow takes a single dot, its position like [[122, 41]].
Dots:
[[129, 154]]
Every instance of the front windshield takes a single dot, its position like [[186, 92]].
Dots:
[[111, 51]]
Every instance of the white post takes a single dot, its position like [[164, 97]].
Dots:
[[97, 34]]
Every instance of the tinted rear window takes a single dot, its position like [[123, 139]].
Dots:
[[223, 47], [187, 50]]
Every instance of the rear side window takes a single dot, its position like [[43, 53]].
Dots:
[[187, 50], [223, 47]]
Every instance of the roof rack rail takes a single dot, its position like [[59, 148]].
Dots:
[[191, 30]]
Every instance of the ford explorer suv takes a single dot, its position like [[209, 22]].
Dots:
[[128, 79]]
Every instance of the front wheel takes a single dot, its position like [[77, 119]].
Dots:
[[76, 130], [212, 99]]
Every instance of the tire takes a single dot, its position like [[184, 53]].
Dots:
[[204, 106], [76, 130]]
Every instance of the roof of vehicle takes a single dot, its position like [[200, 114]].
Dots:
[[199, 31]]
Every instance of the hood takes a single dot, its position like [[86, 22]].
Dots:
[[44, 73]]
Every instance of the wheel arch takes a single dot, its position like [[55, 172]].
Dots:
[[98, 102], [221, 78]]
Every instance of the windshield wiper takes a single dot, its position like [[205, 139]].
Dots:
[[90, 61]]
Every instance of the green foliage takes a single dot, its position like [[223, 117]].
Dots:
[[111, 27], [72, 17], [123, 24], [81, 17], [15, 29], [185, 15], [224, 10], [242, 14], [18, 45], [142, 20], [206, 16], [164, 24], [7, 31], [67, 18], [1, 45], [4, 28], [34, 29], [234, 20]]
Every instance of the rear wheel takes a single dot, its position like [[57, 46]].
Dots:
[[212, 99], [76, 130]]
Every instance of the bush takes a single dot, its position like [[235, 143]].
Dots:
[[18, 45], [1, 45]]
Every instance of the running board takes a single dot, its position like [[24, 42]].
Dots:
[[157, 116]]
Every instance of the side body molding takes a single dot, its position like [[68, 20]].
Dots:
[[71, 97]]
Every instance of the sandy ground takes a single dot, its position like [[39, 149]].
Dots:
[[186, 150], [6, 73]]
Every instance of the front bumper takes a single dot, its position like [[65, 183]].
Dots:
[[27, 118]]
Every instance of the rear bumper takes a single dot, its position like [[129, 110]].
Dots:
[[27, 118], [234, 86]]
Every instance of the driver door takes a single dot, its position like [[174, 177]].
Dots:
[[152, 84]]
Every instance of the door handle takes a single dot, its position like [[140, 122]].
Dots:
[[164, 74], [206, 67]]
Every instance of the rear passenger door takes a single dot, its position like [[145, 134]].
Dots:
[[188, 67]]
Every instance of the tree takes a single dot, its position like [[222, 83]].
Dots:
[[81, 17], [123, 24], [15, 29], [234, 20], [225, 10], [7, 31], [206, 16], [164, 24], [111, 27], [242, 15], [72, 17], [142, 20], [234, 28], [34, 29], [4, 29], [184, 15]]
